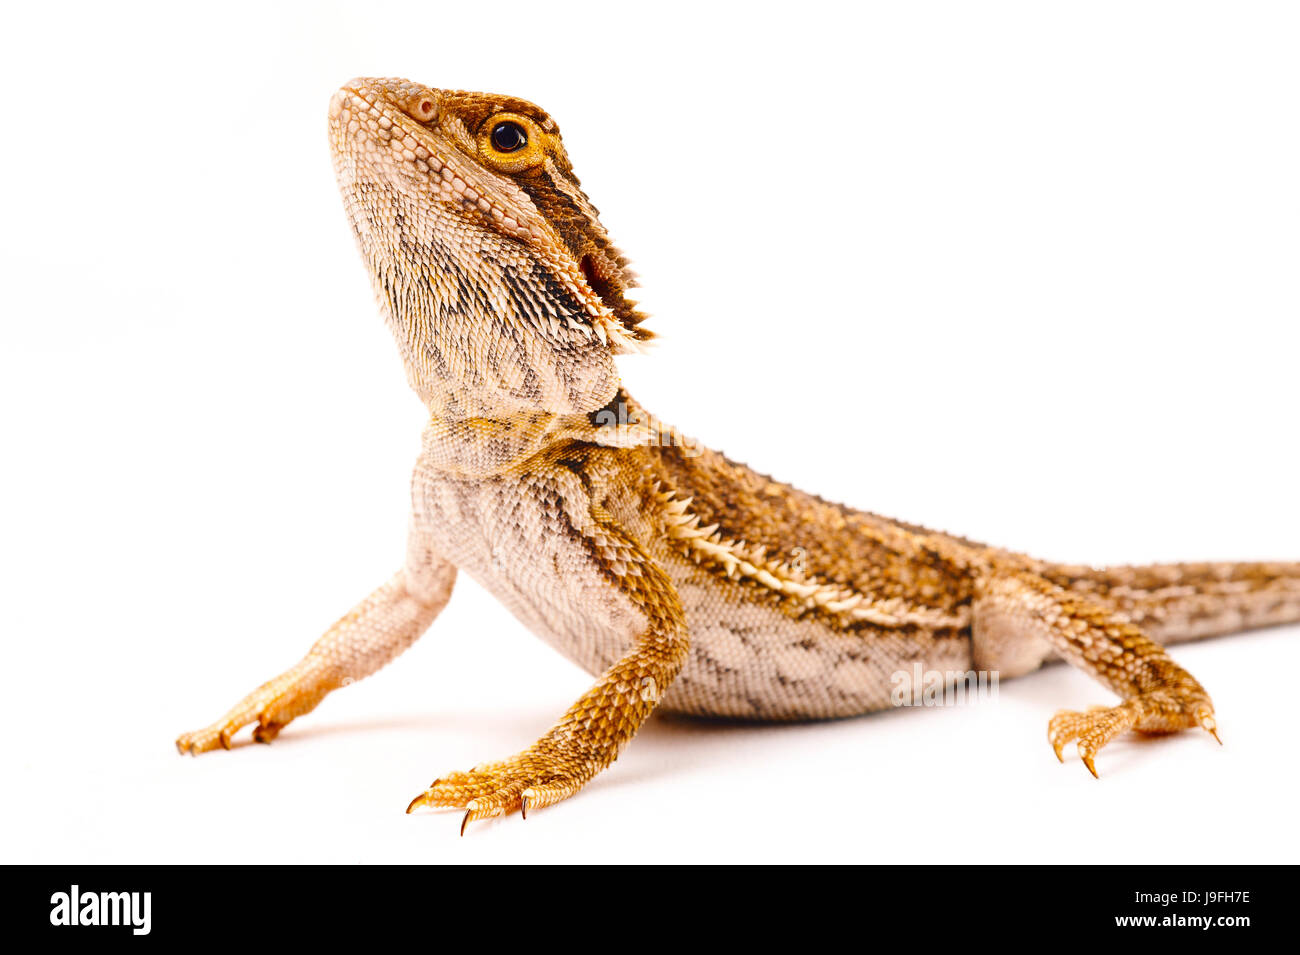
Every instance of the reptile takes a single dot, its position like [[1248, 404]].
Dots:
[[685, 581]]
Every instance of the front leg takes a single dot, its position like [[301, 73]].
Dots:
[[366, 638], [590, 735]]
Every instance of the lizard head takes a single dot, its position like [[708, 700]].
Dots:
[[490, 265]]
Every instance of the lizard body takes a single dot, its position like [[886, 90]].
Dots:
[[683, 579]]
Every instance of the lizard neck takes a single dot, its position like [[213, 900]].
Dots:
[[480, 446]]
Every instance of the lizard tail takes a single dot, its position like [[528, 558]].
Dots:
[[1178, 602]]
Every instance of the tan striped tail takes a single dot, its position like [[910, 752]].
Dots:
[[1178, 602]]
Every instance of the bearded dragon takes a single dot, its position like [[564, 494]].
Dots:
[[688, 582]]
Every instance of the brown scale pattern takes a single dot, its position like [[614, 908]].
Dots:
[[838, 544]]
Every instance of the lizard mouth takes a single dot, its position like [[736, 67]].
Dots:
[[599, 284], [369, 129]]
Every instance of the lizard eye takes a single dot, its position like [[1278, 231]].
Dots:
[[508, 137], [511, 143]]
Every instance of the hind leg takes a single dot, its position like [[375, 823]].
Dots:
[[1021, 616]]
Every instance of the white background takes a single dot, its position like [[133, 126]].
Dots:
[[1023, 271]]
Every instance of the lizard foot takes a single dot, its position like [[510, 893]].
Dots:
[[530, 780], [272, 706], [1156, 712]]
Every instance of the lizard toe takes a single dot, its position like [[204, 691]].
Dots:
[[521, 784]]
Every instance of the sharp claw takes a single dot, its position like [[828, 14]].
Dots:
[[1056, 748], [1087, 761], [225, 739], [523, 805], [417, 802], [1206, 719], [465, 822]]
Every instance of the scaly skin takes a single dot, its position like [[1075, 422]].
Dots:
[[683, 579]]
